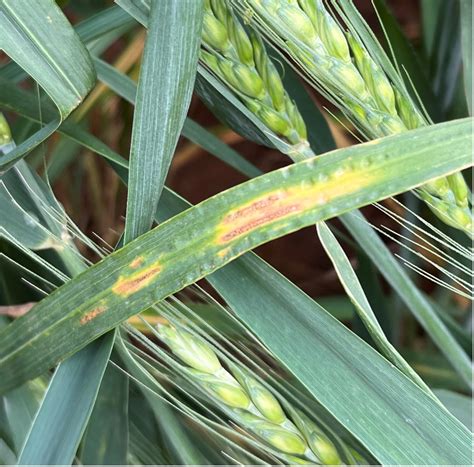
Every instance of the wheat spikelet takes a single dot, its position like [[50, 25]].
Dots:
[[341, 67], [253, 406]]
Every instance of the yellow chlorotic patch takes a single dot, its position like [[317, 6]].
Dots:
[[137, 262], [223, 252], [128, 285], [90, 315], [280, 204]]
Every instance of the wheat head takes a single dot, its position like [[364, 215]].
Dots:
[[290, 432], [239, 59]]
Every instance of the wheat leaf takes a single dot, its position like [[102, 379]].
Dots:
[[40, 39], [466, 37], [354, 290], [163, 96], [69, 392]]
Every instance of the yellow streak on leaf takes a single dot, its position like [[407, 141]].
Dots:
[[128, 285], [90, 315], [137, 262], [285, 203]]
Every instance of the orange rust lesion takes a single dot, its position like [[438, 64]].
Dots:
[[262, 204], [128, 285], [137, 262], [265, 218], [285, 203], [90, 315]]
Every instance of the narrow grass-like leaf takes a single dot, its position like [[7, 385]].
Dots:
[[391, 416], [445, 62], [40, 39], [459, 405], [126, 88], [17, 410], [208, 236], [383, 259], [427, 317], [164, 93], [430, 10], [29, 190], [354, 290], [24, 200], [214, 94], [58, 444], [90, 31], [143, 430], [23, 103], [106, 439], [62, 156]]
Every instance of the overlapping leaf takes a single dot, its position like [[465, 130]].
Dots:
[[218, 230], [39, 38]]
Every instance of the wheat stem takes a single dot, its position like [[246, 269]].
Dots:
[[339, 64], [252, 405]]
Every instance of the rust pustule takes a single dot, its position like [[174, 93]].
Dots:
[[90, 315], [128, 285], [257, 206], [265, 218], [137, 262], [223, 252]]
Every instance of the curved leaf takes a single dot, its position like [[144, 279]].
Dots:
[[354, 290], [211, 234], [40, 39]]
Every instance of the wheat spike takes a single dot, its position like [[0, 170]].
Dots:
[[253, 406], [342, 68], [240, 60]]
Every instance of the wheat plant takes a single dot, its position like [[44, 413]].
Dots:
[[251, 404], [339, 64], [139, 329]]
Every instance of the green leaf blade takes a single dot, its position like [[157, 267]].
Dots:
[[68, 393], [466, 38], [163, 97], [391, 416], [39, 38]]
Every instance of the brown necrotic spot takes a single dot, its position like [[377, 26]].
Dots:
[[264, 218], [285, 203], [257, 213], [256, 206], [137, 262], [90, 315], [128, 285]]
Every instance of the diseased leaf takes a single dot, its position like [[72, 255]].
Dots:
[[208, 236]]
